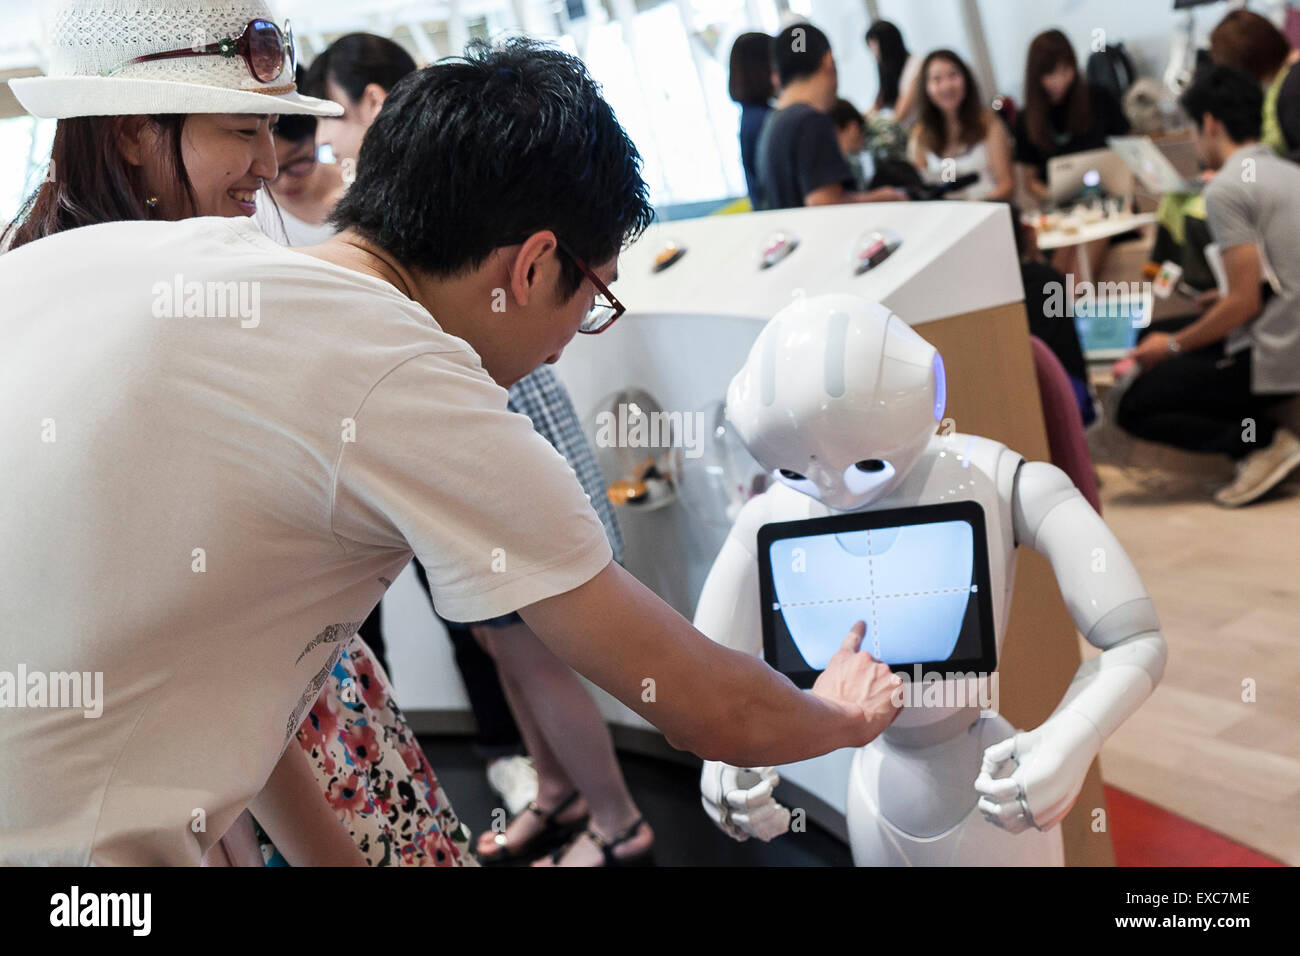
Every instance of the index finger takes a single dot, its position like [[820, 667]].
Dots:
[[853, 640]]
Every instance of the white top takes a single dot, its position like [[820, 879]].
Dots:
[[203, 509], [948, 168], [286, 228]]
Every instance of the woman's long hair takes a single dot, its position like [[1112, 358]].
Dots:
[[750, 79], [972, 118], [89, 181], [1049, 50], [893, 57]]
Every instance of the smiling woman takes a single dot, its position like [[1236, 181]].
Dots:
[[170, 166]]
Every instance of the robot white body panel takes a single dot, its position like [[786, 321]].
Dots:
[[916, 820], [840, 400], [874, 785]]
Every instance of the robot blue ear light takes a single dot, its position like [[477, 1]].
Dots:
[[940, 388]]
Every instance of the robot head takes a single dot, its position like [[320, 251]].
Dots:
[[838, 399]]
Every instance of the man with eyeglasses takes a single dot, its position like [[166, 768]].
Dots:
[[497, 194], [266, 481], [305, 189]]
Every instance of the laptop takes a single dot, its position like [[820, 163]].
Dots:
[[1095, 171], [1157, 166]]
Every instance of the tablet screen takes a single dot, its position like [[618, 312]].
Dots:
[[917, 577]]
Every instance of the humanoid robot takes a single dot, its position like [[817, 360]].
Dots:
[[841, 401]]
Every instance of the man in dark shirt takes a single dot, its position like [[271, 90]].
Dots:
[[799, 157]]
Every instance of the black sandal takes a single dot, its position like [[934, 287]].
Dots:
[[644, 858], [553, 833]]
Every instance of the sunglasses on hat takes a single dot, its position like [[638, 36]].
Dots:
[[263, 47]]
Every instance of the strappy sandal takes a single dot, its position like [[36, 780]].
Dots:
[[553, 833], [644, 858]]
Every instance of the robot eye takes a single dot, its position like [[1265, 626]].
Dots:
[[864, 477], [798, 482]]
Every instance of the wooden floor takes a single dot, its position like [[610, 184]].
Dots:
[[1226, 584]]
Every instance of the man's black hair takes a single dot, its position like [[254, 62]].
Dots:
[[355, 61], [844, 113], [479, 152], [797, 51], [1232, 97], [296, 127]]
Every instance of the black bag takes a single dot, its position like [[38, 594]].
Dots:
[[1112, 70]]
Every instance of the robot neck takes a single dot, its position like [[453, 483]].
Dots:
[[927, 731]]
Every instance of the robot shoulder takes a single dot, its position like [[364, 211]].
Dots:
[[755, 513], [1039, 487], [778, 503]]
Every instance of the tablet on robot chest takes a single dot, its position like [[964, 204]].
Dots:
[[917, 577]]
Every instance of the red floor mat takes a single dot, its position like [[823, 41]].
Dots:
[[1145, 835]]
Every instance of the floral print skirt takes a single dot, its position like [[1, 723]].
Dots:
[[373, 773]]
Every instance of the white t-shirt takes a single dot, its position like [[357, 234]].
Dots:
[[974, 159], [202, 509]]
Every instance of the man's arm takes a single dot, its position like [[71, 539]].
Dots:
[[1238, 306], [717, 703], [835, 195], [822, 169]]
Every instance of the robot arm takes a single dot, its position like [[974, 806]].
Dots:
[[1033, 778], [738, 799]]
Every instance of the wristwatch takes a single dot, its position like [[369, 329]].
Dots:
[[1172, 346]]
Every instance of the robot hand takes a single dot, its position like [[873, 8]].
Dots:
[[739, 800], [1032, 778]]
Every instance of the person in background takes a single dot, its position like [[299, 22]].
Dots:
[[305, 190], [897, 69], [751, 83], [356, 71], [851, 131], [1044, 285], [799, 158], [1212, 386], [956, 134], [1062, 113], [1248, 42]]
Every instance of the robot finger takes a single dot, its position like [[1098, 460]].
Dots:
[[1001, 789], [998, 754], [1009, 816], [765, 823], [756, 796], [722, 820]]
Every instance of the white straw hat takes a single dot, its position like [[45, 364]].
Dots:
[[90, 44]]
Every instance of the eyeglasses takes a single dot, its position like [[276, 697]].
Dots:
[[264, 48], [602, 314]]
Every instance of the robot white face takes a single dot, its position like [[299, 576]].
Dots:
[[838, 398]]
